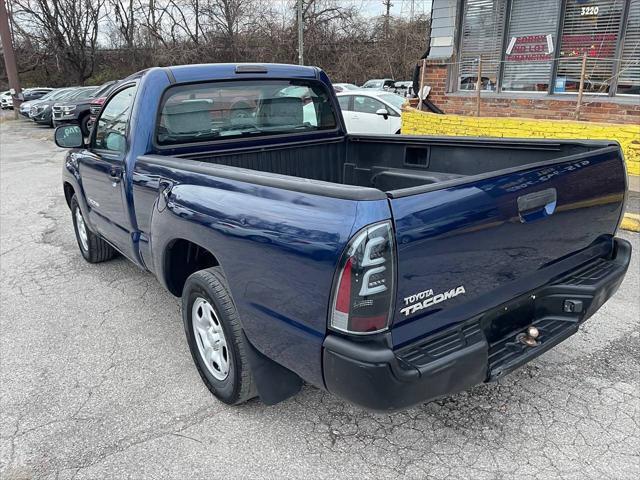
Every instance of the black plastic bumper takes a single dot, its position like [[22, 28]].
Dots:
[[371, 374], [64, 121]]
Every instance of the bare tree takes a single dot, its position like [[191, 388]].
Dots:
[[57, 41], [228, 17], [68, 27]]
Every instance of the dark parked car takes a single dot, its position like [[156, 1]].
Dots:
[[40, 111], [35, 93], [25, 107], [75, 109]]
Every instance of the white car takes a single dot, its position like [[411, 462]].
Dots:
[[5, 100], [341, 87], [371, 111]]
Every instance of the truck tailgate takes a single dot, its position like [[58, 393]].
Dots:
[[469, 246]]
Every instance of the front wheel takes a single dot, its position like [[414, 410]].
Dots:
[[93, 248], [215, 337]]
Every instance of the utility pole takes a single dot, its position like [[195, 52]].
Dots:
[[300, 34], [387, 4], [9, 56]]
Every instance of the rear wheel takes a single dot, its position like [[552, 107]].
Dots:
[[215, 337], [93, 248]]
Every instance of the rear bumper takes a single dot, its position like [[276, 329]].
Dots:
[[369, 373]]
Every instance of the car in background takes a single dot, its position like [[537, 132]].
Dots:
[[371, 111], [341, 87], [5, 100], [98, 100], [25, 107], [28, 94], [76, 109], [36, 93], [404, 88], [379, 84], [40, 111]]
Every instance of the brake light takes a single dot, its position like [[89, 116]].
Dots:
[[364, 286]]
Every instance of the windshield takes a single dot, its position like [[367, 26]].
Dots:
[[393, 99], [373, 84], [104, 89], [204, 112], [82, 93], [53, 94]]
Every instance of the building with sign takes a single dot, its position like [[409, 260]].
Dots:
[[532, 58]]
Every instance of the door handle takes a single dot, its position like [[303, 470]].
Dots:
[[536, 205], [115, 174]]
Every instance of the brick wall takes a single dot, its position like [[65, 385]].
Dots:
[[415, 122], [557, 107]]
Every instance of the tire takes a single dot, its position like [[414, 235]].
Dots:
[[84, 125], [207, 306], [93, 248]]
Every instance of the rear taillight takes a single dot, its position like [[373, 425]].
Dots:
[[364, 286]]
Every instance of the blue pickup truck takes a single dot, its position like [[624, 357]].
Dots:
[[388, 270]]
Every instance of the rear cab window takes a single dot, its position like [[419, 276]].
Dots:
[[233, 109]]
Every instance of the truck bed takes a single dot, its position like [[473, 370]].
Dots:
[[397, 164], [487, 215]]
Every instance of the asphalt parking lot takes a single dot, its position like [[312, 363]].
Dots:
[[96, 380]]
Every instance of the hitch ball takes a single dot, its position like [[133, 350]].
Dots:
[[529, 337]]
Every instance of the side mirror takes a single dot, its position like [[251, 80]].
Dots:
[[384, 112], [69, 136]]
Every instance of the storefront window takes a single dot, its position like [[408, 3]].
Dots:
[[531, 43], [591, 27], [517, 42], [629, 73], [482, 31]]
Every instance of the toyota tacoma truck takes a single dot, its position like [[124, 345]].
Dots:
[[388, 270]]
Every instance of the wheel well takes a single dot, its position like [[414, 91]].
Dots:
[[68, 193], [182, 258]]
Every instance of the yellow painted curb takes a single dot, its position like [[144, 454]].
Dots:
[[415, 122], [631, 222]]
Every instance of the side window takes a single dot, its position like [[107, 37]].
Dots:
[[344, 103], [366, 104], [111, 126]]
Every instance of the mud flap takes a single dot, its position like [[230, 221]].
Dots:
[[274, 382]]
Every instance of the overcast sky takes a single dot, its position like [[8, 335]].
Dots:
[[400, 7], [376, 7]]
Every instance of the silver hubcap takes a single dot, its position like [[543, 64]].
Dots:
[[82, 230], [210, 338]]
